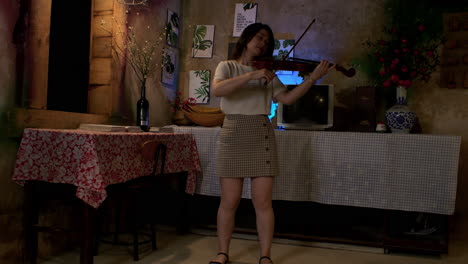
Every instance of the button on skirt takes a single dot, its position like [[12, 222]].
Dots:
[[247, 147]]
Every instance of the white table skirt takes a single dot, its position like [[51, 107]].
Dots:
[[409, 172]]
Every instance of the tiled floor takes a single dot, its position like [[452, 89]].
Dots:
[[200, 248]]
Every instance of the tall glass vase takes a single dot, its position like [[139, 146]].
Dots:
[[399, 117]]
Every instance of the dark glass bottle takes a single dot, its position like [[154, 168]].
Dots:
[[143, 111]]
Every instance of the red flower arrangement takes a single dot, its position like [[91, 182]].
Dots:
[[404, 55], [179, 104]]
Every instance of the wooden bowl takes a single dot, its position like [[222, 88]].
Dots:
[[205, 116]]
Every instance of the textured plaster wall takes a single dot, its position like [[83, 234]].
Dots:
[[336, 35], [340, 29], [445, 111], [153, 16]]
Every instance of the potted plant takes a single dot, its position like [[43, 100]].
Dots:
[[405, 54], [177, 106]]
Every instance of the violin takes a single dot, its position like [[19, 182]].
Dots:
[[296, 64]]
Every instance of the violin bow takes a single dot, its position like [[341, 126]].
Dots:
[[293, 47], [298, 40], [295, 44]]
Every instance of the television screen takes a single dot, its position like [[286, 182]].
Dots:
[[289, 77], [313, 111]]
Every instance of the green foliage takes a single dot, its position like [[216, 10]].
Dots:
[[172, 27], [403, 55], [403, 17], [172, 37], [288, 42], [198, 39], [277, 44], [282, 49], [281, 54], [248, 6], [169, 67], [179, 104], [407, 48], [175, 20], [204, 90]]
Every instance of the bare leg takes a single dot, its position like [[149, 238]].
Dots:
[[231, 192], [262, 188]]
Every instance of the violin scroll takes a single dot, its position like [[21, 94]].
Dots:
[[347, 72]]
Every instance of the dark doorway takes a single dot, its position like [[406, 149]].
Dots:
[[69, 56]]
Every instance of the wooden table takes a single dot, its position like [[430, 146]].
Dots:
[[89, 161]]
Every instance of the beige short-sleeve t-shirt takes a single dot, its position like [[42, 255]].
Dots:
[[252, 99]]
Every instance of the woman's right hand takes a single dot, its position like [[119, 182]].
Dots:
[[262, 74]]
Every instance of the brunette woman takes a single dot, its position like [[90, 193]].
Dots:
[[247, 146]]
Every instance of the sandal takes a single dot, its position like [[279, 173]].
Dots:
[[264, 257], [217, 262]]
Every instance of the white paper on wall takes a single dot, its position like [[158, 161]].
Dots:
[[245, 14]]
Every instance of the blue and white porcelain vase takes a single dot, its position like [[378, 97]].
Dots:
[[399, 117]]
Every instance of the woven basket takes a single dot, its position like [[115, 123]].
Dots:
[[205, 116]]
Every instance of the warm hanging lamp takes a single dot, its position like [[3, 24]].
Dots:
[[133, 2]]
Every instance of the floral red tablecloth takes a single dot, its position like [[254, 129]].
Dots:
[[92, 160]]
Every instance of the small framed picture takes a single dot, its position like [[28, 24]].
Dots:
[[245, 14], [172, 28], [282, 47], [169, 66], [199, 86], [202, 46]]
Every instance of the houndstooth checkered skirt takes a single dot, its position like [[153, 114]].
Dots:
[[247, 147]]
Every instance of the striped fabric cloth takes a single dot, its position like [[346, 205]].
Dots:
[[410, 172]]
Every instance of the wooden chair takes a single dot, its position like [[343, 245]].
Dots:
[[136, 192]]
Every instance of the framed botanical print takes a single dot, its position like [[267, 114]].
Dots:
[[172, 28], [282, 47], [199, 86], [202, 45], [169, 66]]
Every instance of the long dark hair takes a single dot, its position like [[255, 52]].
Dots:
[[247, 35]]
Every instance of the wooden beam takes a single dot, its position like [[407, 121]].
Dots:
[[37, 53], [102, 47], [100, 71], [99, 99], [103, 5]]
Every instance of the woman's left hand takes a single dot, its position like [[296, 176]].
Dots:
[[321, 70]]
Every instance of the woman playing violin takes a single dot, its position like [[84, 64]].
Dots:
[[247, 146]]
